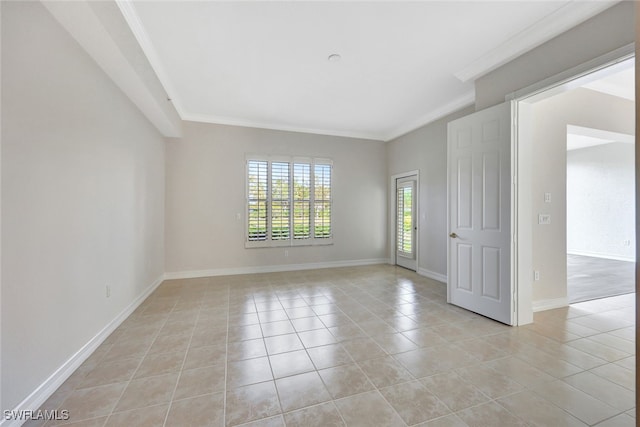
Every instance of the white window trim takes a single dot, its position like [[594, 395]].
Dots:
[[268, 243]]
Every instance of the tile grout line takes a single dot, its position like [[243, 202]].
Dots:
[[332, 400], [111, 413], [275, 386], [364, 373], [184, 358], [75, 388], [226, 358], [373, 293]]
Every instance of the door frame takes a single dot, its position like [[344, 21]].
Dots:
[[521, 146], [392, 217]]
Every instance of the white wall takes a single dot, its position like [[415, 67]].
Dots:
[[580, 107], [425, 149], [82, 200], [206, 191], [601, 201]]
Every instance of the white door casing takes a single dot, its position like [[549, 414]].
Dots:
[[406, 225], [479, 213]]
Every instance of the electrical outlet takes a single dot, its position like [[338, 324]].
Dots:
[[108, 291], [627, 243], [286, 252], [536, 275], [547, 197]]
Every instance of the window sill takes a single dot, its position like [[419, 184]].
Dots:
[[288, 243]]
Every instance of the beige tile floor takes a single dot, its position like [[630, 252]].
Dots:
[[363, 346]]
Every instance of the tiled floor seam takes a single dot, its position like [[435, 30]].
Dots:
[[273, 376], [306, 349], [357, 289], [226, 359], [184, 358], [100, 385], [137, 368], [542, 397], [571, 414]]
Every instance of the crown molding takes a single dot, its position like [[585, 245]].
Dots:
[[220, 120], [563, 19], [451, 107], [93, 34], [127, 8], [130, 14]]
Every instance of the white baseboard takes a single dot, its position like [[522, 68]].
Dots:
[[51, 384], [602, 255], [432, 275], [270, 268], [549, 304]]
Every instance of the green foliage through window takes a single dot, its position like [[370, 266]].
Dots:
[[288, 201], [405, 220]]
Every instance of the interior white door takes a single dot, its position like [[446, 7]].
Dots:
[[406, 226], [479, 249]]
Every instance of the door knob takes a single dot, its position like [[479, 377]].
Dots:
[[453, 235]]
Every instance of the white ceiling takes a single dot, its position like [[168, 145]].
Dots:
[[582, 137], [577, 142], [617, 83], [621, 84], [264, 64]]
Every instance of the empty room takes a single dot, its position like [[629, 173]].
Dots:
[[249, 213]]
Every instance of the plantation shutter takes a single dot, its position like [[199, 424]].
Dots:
[[404, 227], [289, 201], [257, 199], [301, 201], [322, 201], [280, 201]]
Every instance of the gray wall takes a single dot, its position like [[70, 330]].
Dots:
[[206, 193], [82, 200], [610, 30], [425, 149]]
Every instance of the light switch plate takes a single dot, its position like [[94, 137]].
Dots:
[[547, 197]]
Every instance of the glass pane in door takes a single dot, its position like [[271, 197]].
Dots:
[[405, 220]]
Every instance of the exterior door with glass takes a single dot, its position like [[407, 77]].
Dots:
[[406, 225]]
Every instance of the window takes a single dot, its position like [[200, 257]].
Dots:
[[288, 201]]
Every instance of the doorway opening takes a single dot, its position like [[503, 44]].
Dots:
[[600, 212], [591, 102]]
